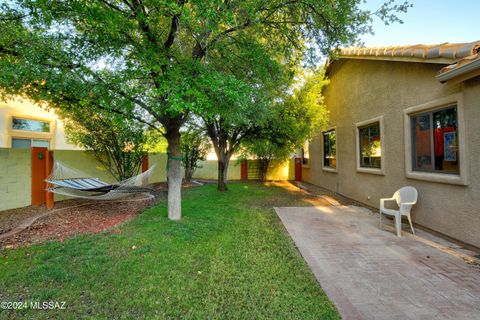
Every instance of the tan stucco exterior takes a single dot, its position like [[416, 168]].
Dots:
[[26, 109], [361, 90]]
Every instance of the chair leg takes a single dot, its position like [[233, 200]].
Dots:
[[380, 221], [410, 221], [398, 224]]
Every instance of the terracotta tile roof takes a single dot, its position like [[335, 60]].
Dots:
[[438, 53], [461, 63], [470, 64]]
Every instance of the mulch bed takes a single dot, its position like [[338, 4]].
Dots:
[[79, 216]]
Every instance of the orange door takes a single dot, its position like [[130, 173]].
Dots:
[[244, 170], [39, 174], [298, 169]]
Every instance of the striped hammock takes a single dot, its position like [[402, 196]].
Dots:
[[74, 183]]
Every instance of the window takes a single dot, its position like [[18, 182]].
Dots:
[[330, 149], [370, 146], [434, 141], [28, 143], [30, 125], [305, 155]]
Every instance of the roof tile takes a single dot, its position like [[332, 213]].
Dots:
[[449, 51]]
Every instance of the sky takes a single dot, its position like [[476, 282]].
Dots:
[[427, 22]]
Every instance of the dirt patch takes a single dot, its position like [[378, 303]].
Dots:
[[72, 217], [89, 218]]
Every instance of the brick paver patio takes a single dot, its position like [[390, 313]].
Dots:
[[369, 273]]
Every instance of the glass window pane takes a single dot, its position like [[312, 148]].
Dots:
[[370, 146], [41, 143], [364, 147], [329, 149], [422, 158], [445, 140], [21, 143], [30, 125], [375, 147]]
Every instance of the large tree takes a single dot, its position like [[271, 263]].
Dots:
[[293, 119], [235, 113], [143, 58]]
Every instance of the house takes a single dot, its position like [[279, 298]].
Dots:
[[24, 124], [406, 115]]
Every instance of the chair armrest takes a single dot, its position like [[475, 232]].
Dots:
[[385, 199], [382, 202]]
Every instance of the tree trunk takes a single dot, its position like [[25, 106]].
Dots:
[[222, 172], [263, 168], [188, 173], [174, 173]]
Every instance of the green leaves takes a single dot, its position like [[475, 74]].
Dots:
[[117, 143], [167, 58], [195, 147], [156, 62]]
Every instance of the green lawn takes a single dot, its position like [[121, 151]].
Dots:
[[228, 258]]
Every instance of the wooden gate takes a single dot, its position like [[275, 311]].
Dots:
[[253, 170], [298, 169], [41, 167]]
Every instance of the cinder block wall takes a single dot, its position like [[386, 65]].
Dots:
[[159, 160], [278, 170], [209, 170], [15, 178], [15, 172]]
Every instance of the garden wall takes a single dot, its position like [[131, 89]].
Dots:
[[15, 178], [280, 170], [209, 170], [160, 172], [16, 172]]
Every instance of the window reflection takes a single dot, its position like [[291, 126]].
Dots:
[[435, 141], [30, 125], [329, 149], [370, 146]]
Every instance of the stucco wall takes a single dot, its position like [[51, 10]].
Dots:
[[15, 178], [361, 90]]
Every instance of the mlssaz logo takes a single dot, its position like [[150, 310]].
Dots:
[[48, 305]]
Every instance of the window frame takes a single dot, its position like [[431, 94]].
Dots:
[[31, 141], [25, 134], [324, 168], [360, 125], [30, 119], [460, 178]]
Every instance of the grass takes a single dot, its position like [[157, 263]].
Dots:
[[229, 258]]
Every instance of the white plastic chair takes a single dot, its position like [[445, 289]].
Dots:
[[405, 197]]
